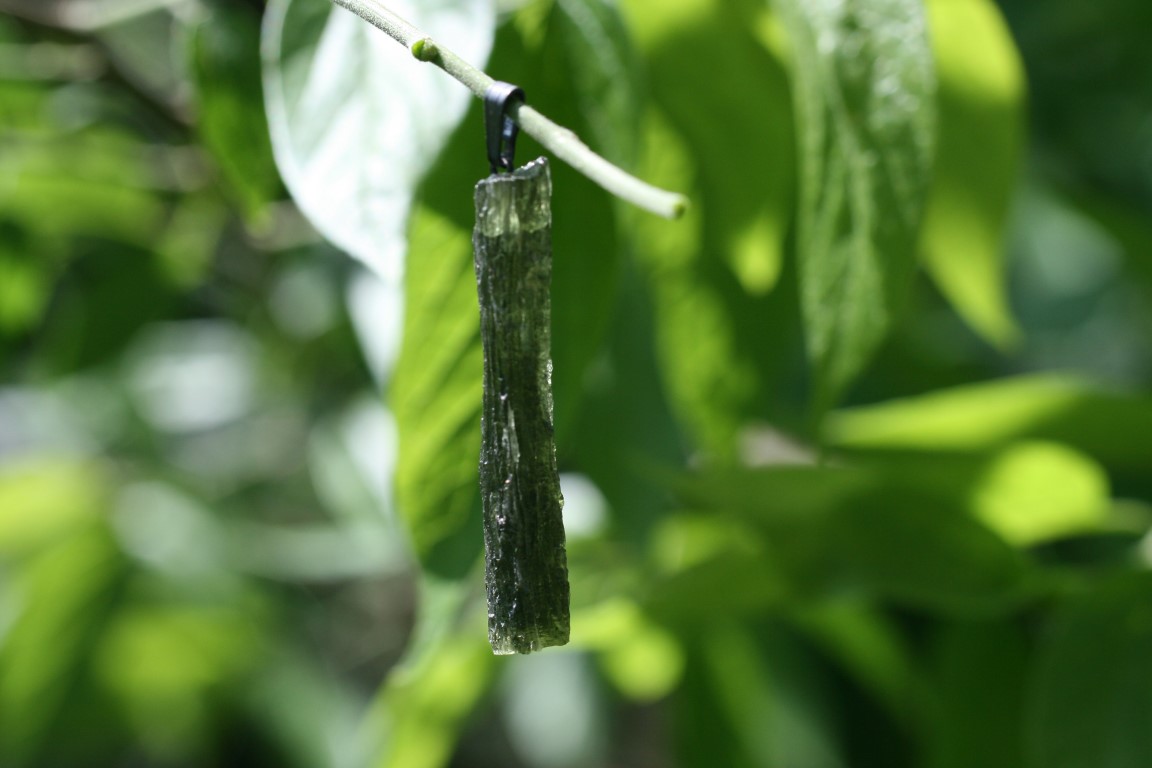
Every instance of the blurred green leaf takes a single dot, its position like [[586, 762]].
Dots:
[[605, 74], [1109, 426], [1090, 698], [708, 381], [92, 184], [856, 530], [753, 700], [642, 659], [865, 95], [579, 76], [1035, 491], [915, 550], [1026, 491], [867, 644], [979, 671], [165, 665], [981, 94], [225, 69], [417, 715], [25, 282], [63, 596], [42, 501], [356, 122], [745, 161]]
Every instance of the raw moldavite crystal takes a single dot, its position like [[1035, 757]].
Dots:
[[526, 570]]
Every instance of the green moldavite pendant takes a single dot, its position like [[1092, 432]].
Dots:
[[526, 570]]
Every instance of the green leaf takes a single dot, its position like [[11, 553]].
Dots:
[[418, 714], [981, 120], [1090, 701], [865, 96], [356, 121], [708, 382], [753, 700], [746, 161], [1036, 491], [435, 395], [605, 74], [63, 593], [225, 70], [1109, 426], [25, 280], [842, 529], [976, 715], [93, 183], [170, 704], [1027, 492], [723, 325], [43, 501], [580, 77], [917, 551]]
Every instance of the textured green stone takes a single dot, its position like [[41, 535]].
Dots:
[[526, 570]]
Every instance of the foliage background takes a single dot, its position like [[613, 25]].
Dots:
[[218, 547]]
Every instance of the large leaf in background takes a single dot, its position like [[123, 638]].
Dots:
[[436, 397], [1090, 701], [977, 160], [605, 73], [356, 122], [865, 115], [226, 72], [582, 75], [717, 334], [745, 161]]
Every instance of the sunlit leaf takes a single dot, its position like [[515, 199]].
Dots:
[[981, 82], [1090, 700], [1035, 491], [356, 121], [709, 379], [718, 334], [436, 397], [642, 659], [45, 500], [704, 61], [865, 117]]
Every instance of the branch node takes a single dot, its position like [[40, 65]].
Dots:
[[425, 49]]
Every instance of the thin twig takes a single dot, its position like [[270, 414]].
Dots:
[[559, 140]]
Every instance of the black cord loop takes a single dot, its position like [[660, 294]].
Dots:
[[500, 128]]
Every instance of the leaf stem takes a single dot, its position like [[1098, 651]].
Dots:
[[562, 142]]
